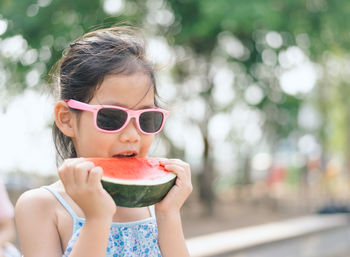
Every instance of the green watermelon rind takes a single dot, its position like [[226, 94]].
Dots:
[[126, 194]]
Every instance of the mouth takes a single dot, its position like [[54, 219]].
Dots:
[[127, 154]]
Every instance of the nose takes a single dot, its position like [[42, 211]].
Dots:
[[130, 133]]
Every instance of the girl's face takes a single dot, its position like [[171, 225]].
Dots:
[[133, 91]]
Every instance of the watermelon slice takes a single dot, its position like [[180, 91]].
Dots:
[[135, 182]]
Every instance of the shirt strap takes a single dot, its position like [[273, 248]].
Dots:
[[62, 201], [151, 210]]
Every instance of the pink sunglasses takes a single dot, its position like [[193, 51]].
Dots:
[[110, 118]]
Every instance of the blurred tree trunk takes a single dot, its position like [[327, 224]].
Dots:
[[322, 98], [206, 178], [345, 93], [206, 181], [244, 180]]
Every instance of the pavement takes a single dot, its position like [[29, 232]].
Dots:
[[308, 236]]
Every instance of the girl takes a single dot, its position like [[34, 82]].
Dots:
[[75, 216]]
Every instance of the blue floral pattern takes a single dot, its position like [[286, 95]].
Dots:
[[129, 239]]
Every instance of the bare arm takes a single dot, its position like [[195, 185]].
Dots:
[[171, 238], [36, 227], [38, 233], [7, 228], [93, 239], [7, 231], [81, 180], [36, 218]]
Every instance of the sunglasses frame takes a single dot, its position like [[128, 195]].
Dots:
[[74, 104]]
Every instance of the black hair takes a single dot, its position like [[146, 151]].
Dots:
[[84, 65]]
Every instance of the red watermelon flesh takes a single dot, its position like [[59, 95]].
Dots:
[[131, 168], [135, 182]]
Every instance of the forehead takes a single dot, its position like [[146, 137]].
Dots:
[[131, 91]]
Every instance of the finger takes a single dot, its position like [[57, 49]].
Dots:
[[177, 169], [65, 170], [183, 174], [168, 161], [180, 163], [81, 172], [95, 177], [183, 164]]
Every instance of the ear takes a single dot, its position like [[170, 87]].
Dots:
[[64, 118]]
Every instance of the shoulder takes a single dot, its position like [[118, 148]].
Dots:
[[35, 197], [37, 201], [36, 214]]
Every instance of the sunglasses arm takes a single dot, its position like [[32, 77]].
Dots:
[[79, 105]]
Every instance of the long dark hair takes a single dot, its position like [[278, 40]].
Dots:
[[86, 62]]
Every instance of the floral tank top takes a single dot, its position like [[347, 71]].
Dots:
[[126, 239]]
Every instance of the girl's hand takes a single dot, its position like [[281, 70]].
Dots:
[[176, 197], [82, 182]]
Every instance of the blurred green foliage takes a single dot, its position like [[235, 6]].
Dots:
[[208, 34]]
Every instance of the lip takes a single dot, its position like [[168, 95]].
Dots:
[[126, 154]]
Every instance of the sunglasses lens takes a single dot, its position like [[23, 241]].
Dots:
[[111, 119], [151, 122]]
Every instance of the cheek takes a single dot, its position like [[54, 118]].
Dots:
[[89, 140], [146, 143], [96, 144], [84, 121]]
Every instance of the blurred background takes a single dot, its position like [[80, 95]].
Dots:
[[258, 93]]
